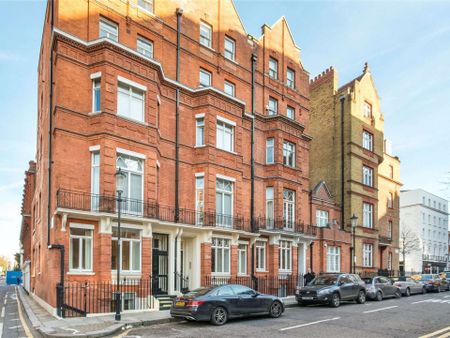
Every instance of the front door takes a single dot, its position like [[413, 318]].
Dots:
[[160, 264]]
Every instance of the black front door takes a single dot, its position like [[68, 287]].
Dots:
[[160, 264]]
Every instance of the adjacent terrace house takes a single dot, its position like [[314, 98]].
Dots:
[[209, 127]]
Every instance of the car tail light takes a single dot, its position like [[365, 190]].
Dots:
[[193, 303], [397, 284]]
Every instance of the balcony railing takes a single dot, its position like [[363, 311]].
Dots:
[[82, 201], [434, 258], [386, 240]]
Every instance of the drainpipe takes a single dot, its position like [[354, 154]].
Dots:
[[177, 118], [342, 99], [252, 167], [50, 127]]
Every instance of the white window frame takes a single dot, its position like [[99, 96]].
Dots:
[[270, 150], [231, 88], [208, 75], [322, 218], [81, 247], [367, 109], [96, 90], [108, 28], [242, 259], [223, 128], [205, 39], [290, 112], [390, 200], [146, 5], [132, 92], [289, 154], [126, 205], [367, 176], [367, 255], [368, 215], [333, 259], [221, 244], [132, 243], [95, 175], [285, 256], [270, 206], [273, 68], [272, 107], [367, 140], [221, 217], [230, 54], [144, 47], [199, 131], [199, 199], [390, 226], [290, 82], [288, 209], [260, 256]]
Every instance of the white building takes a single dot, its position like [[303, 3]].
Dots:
[[426, 216]]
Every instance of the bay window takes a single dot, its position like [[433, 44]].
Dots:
[[367, 215], [130, 250], [270, 213], [130, 102], [200, 131], [367, 176], [220, 255], [225, 136], [270, 151], [81, 250], [367, 141], [289, 154], [96, 91]]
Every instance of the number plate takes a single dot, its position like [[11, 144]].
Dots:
[[180, 304], [308, 298]]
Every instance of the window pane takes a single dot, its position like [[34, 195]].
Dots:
[[75, 243], [123, 101], [87, 246], [125, 255], [226, 260], [136, 264], [137, 107]]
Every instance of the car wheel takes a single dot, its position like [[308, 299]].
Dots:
[[219, 316], [408, 292], [361, 297], [335, 300], [379, 296], [276, 309], [397, 294]]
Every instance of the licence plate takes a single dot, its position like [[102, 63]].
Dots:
[[180, 304], [307, 298]]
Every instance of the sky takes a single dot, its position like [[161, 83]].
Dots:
[[406, 43]]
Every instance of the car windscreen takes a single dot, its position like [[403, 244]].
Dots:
[[198, 292], [367, 280], [324, 280]]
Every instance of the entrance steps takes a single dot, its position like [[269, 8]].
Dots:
[[165, 301]]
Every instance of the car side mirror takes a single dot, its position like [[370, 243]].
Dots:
[[340, 283], [256, 294]]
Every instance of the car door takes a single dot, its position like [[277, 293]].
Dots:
[[346, 287], [386, 287], [248, 300], [226, 294]]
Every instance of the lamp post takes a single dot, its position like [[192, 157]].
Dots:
[[120, 184], [354, 221]]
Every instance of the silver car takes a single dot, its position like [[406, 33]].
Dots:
[[409, 286], [380, 287]]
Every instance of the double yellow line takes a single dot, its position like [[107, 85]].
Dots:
[[443, 333]]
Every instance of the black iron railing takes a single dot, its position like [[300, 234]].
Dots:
[[280, 286], [74, 200], [384, 239], [82, 298]]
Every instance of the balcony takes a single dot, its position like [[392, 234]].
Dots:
[[281, 224], [107, 204], [384, 240], [434, 258]]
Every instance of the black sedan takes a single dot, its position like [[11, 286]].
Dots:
[[217, 304]]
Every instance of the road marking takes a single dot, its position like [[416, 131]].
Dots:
[[445, 335], [3, 313], [435, 332], [22, 320], [421, 301], [307, 324], [382, 309]]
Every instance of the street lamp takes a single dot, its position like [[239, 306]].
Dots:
[[354, 221], [120, 185]]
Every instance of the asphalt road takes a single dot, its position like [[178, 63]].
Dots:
[[10, 323], [419, 315]]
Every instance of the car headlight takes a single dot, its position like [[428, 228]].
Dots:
[[323, 292]]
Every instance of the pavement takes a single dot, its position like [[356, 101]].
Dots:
[[42, 323], [423, 316]]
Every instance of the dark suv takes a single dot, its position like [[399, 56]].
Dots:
[[331, 289]]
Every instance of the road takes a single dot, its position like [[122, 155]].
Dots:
[[10, 322], [416, 316]]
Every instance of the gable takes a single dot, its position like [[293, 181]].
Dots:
[[322, 192]]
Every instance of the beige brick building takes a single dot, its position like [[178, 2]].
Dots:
[[347, 126]]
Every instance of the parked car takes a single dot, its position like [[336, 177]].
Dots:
[[409, 286], [446, 275], [332, 289], [380, 287], [217, 304], [433, 282]]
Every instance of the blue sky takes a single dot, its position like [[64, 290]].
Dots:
[[406, 44]]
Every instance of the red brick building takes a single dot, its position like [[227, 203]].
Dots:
[[197, 114], [331, 251]]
